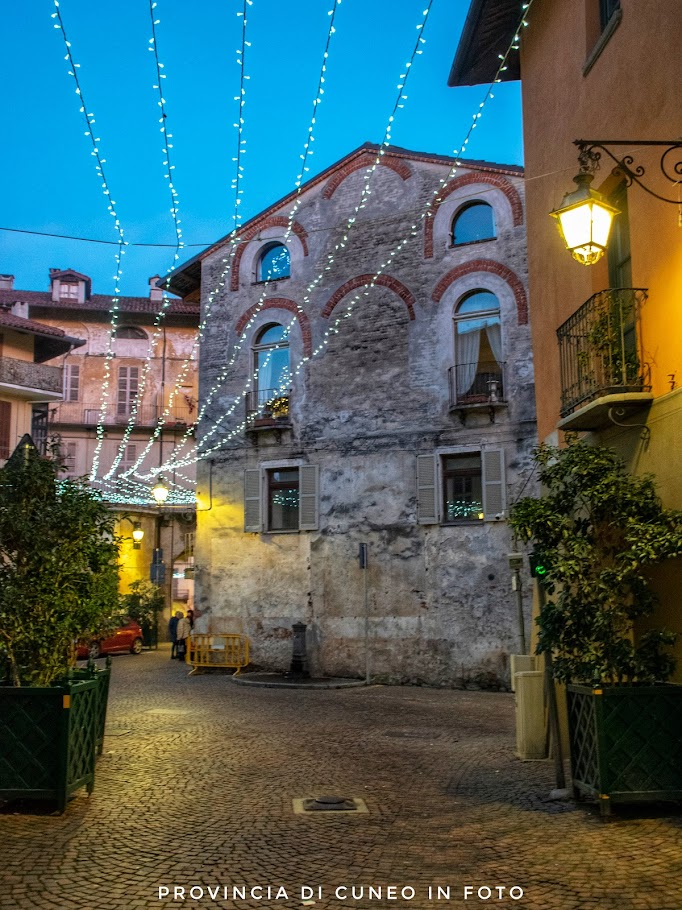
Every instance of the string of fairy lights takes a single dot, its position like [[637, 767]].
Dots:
[[169, 167], [239, 125], [175, 463], [89, 119], [369, 174], [233, 241], [413, 231]]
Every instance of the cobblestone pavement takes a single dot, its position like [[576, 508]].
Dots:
[[195, 789]]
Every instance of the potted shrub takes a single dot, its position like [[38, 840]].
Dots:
[[597, 530], [58, 583]]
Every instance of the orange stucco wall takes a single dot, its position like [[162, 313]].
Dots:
[[631, 92]]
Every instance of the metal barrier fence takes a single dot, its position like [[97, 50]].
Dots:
[[207, 651]]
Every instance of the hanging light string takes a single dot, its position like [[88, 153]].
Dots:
[[413, 231], [89, 118], [239, 125], [168, 167], [365, 193], [234, 240], [239, 171]]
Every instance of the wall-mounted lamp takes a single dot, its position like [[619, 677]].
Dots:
[[138, 531], [584, 217], [160, 490]]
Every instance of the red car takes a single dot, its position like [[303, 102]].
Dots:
[[127, 639]]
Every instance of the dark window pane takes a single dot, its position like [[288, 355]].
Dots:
[[475, 222], [462, 488], [275, 263], [283, 499], [606, 9], [271, 334], [618, 253]]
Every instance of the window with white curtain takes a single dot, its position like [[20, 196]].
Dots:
[[478, 347], [271, 375]]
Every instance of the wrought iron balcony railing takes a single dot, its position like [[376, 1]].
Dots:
[[474, 384], [71, 412], [600, 349], [268, 407]]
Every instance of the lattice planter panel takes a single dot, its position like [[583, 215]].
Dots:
[[102, 676], [48, 739], [626, 742]]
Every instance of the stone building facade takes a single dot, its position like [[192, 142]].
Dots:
[[393, 410]]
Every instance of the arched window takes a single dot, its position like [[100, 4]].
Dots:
[[274, 263], [130, 331], [271, 376], [478, 348], [475, 221]]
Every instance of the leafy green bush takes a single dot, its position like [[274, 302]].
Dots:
[[143, 603], [58, 572], [598, 529]]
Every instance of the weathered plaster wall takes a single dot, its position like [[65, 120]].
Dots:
[[439, 599]]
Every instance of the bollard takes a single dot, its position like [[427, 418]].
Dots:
[[299, 657]]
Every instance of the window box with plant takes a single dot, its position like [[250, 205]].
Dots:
[[58, 583], [598, 530]]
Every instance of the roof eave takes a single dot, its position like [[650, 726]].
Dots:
[[488, 31]]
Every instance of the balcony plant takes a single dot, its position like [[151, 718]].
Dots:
[[58, 582], [598, 530]]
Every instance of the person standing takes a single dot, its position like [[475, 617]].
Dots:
[[172, 632], [182, 633]]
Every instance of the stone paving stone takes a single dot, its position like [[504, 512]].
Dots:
[[199, 793]]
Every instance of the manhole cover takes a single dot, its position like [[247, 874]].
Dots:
[[329, 805]]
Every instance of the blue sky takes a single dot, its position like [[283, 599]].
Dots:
[[48, 178]]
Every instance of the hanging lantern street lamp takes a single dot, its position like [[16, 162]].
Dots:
[[584, 220], [160, 490], [584, 217]]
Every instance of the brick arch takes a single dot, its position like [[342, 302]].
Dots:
[[496, 180], [494, 268], [384, 281], [401, 168], [252, 232], [280, 303]]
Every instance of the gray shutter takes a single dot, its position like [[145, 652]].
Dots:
[[427, 495], [252, 501], [494, 483], [308, 498]]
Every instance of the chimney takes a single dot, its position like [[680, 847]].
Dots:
[[20, 309], [6, 282], [154, 292]]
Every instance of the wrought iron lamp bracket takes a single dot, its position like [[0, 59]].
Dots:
[[670, 164]]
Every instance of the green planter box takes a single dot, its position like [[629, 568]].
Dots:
[[48, 738], [102, 676], [626, 743]]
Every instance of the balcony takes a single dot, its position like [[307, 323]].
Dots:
[[73, 413], [31, 381], [477, 386], [602, 361], [268, 409]]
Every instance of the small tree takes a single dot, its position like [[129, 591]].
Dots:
[[598, 529], [58, 572], [143, 603]]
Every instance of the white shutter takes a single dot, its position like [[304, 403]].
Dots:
[[308, 498], [494, 483], [427, 494], [252, 501]]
